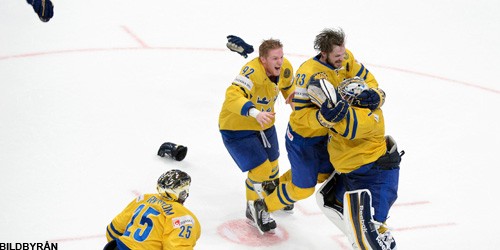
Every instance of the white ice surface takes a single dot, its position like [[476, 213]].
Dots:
[[87, 98]]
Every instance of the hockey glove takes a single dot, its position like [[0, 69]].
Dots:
[[239, 46], [320, 91], [174, 151], [370, 98], [329, 114], [43, 8]]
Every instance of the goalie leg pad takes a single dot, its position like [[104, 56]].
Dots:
[[362, 229], [328, 203]]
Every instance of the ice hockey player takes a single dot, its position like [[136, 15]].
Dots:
[[358, 197], [306, 138], [157, 221], [246, 120]]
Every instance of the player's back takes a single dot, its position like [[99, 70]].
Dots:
[[358, 139], [156, 223]]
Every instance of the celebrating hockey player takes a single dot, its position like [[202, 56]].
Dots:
[[246, 121], [306, 138], [368, 163], [157, 221]]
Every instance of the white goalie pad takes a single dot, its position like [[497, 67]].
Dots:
[[332, 212], [361, 229]]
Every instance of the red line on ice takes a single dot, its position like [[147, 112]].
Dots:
[[144, 45], [136, 37]]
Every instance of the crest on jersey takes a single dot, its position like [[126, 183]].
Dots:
[[319, 76], [287, 73], [263, 101]]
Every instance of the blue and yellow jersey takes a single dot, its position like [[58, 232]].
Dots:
[[303, 119], [253, 88], [357, 140], [150, 222]]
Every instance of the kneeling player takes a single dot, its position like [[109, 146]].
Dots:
[[157, 221]]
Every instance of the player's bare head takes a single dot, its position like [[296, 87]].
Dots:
[[268, 45], [271, 56], [328, 39]]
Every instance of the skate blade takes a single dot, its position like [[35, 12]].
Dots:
[[250, 222], [287, 211], [253, 224]]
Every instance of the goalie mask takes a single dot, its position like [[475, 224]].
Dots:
[[350, 88], [174, 185]]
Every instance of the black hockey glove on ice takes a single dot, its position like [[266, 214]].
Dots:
[[174, 151]]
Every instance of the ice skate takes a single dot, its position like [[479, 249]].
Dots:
[[259, 217]]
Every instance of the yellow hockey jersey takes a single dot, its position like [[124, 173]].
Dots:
[[150, 222], [357, 140], [303, 119], [253, 88]]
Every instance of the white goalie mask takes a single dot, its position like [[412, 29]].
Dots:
[[174, 185], [350, 88]]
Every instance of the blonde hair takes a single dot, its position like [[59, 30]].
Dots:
[[268, 45]]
